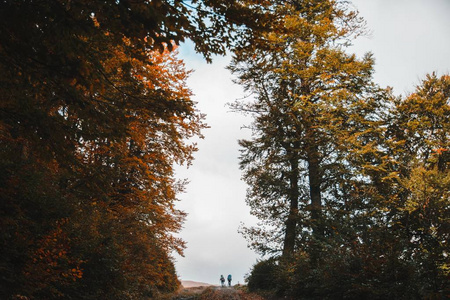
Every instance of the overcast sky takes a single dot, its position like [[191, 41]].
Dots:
[[409, 38]]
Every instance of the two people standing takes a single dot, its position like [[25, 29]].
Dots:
[[222, 280]]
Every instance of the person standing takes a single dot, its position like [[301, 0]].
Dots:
[[222, 280], [229, 279]]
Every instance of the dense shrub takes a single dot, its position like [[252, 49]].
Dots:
[[263, 276]]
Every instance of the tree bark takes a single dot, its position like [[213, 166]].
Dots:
[[315, 181], [293, 195]]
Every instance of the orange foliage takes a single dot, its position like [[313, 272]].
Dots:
[[52, 261], [440, 150]]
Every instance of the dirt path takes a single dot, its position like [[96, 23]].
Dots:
[[215, 293]]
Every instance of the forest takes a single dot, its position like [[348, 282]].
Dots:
[[350, 183]]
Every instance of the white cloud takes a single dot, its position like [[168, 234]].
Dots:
[[409, 39], [215, 196]]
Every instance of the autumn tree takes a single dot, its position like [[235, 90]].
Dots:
[[419, 182], [349, 181], [401, 246], [312, 102], [94, 113], [116, 193]]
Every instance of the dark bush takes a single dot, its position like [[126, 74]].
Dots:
[[263, 276]]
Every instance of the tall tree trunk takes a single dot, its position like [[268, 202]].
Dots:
[[315, 195], [315, 180], [291, 222]]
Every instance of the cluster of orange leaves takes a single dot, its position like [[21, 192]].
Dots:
[[51, 260], [440, 150]]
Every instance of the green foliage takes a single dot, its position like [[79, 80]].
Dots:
[[349, 182], [356, 274], [391, 241], [313, 106], [263, 276]]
